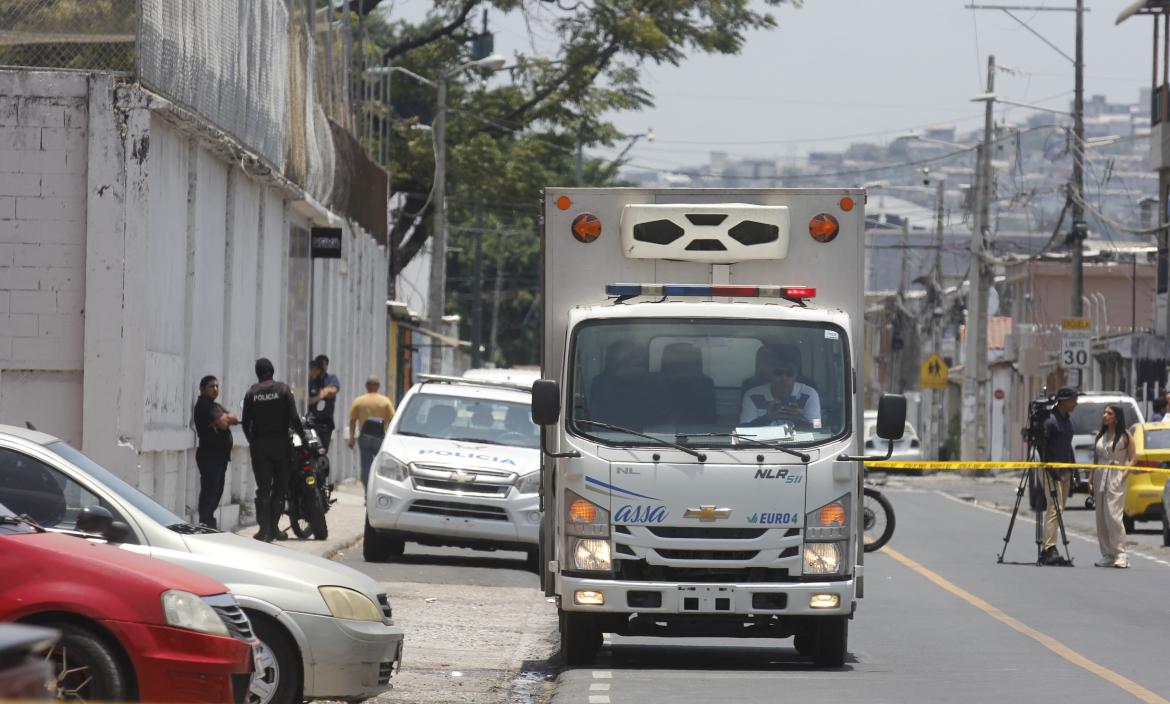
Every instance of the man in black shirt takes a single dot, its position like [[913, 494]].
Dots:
[[1058, 440], [213, 426], [323, 388], [269, 412]]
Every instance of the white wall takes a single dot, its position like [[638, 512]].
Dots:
[[180, 263], [43, 122]]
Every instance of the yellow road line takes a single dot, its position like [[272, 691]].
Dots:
[[1121, 681]]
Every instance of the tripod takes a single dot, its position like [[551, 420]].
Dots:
[[1033, 452]]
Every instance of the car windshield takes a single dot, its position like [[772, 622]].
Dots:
[[1156, 439], [700, 382], [106, 478], [470, 419], [1086, 417]]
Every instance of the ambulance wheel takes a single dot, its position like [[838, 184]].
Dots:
[[832, 641], [378, 546], [804, 639], [580, 638]]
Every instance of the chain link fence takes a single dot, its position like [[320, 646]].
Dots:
[[76, 34]]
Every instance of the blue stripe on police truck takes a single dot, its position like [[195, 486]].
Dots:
[[611, 487]]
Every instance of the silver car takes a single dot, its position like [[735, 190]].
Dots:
[[907, 449], [1086, 421], [325, 630]]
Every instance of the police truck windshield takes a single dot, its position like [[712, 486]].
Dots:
[[481, 420], [702, 382]]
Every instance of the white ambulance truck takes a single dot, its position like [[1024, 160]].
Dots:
[[702, 359]]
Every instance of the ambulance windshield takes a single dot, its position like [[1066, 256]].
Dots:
[[701, 382]]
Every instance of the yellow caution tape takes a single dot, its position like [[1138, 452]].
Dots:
[[1007, 464]]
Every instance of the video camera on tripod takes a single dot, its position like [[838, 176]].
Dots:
[[1038, 412]]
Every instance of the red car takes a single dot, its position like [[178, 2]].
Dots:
[[132, 628]]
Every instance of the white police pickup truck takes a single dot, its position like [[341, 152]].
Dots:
[[459, 467]]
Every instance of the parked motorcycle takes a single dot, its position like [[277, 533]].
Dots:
[[310, 491], [877, 516]]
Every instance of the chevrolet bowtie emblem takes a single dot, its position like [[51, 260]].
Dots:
[[707, 513], [462, 477]]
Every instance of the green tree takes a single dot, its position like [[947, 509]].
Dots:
[[509, 138]]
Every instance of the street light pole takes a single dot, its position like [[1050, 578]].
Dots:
[[936, 397], [437, 294]]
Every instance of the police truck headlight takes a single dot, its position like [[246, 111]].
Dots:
[[529, 483], [822, 558], [390, 467], [591, 555]]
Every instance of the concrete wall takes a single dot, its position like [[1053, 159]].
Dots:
[[43, 123], [134, 260]]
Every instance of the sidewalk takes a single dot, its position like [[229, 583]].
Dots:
[[346, 521]]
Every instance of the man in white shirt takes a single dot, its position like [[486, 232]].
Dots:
[[782, 400]]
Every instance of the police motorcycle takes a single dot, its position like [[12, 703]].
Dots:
[[310, 491]]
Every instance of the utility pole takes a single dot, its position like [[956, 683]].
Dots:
[[974, 446], [936, 398], [497, 293], [477, 292], [437, 296], [1078, 178]]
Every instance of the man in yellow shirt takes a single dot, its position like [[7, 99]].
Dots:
[[371, 412]]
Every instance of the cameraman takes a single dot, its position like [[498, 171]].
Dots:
[[1057, 447]]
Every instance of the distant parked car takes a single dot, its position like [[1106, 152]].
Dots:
[[132, 627], [325, 630], [1086, 421], [1143, 494], [908, 449]]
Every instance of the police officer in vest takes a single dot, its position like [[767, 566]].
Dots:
[[269, 412]]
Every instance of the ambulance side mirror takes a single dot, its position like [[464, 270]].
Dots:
[[546, 402], [891, 417]]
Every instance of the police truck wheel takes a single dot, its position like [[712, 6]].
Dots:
[[532, 561], [580, 638], [804, 639], [832, 641], [380, 547]]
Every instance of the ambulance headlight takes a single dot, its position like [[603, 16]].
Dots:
[[823, 558], [590, 555], [529, 483], [390, 467]]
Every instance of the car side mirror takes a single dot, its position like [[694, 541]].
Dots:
[[891, 417], [546, 402], [117, 532], [95, 520]]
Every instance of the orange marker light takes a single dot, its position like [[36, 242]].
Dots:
[[832, 515], [847, 204], [581, 511], [586, 227], [564, 202], [824, 228]]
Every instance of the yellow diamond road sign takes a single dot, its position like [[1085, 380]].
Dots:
[[933, 374]]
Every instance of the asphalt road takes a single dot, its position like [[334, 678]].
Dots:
[[941, 622]]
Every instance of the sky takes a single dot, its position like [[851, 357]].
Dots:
[[840, 71]]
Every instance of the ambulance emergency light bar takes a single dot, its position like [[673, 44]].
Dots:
[[796, 294]]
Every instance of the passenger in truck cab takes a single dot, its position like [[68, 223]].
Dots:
[[691, 393], [620, 393], [782, 399]]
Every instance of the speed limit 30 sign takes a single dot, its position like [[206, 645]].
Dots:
[[1075, 342]]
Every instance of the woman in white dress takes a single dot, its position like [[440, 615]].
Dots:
[[1114, 446]]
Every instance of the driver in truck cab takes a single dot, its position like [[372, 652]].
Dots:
[[781, 399]]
